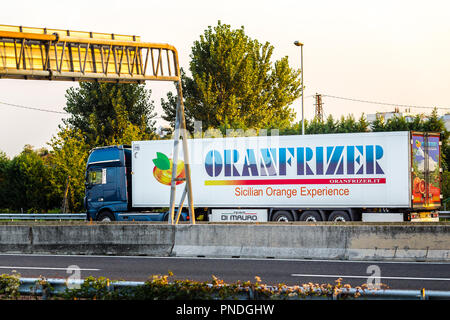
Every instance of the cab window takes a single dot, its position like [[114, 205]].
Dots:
[[96, 176]]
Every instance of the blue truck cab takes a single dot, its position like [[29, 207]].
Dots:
[[108, 193]]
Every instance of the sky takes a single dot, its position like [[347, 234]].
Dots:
[[393, 51]]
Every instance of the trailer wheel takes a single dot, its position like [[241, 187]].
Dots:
[[105, 216], [282, 216], [311, 216], [339, 216]]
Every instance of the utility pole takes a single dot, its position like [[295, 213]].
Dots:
[[318, 111]]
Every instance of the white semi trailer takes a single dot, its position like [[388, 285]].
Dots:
[[385, 176]]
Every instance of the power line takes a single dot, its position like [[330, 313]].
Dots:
[[323, 95], [42, 110], [382, 103], [32, 108]]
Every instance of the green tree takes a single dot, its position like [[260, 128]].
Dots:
[[446, 156], [401, 123], [362, 125], [416, 124], [433, 123], [293, 129], [316, 126], [396, 123], [169, 106], [378, 124], [330, 125], [234, 84], [4, 181], [29, 186], [347, 124], [103, 112], [69, 157], [100, 114]]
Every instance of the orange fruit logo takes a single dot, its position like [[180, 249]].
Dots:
[[163, 169], [418, 144]]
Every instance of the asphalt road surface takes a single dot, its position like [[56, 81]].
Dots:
[[396, 275]]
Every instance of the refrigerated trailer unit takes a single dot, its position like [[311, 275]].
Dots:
[[383, 176]]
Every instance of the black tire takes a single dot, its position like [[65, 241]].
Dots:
[[282, 216], [339, 216], [311, 216], [105, 216]]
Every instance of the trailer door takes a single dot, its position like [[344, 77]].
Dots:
[[426, 170]]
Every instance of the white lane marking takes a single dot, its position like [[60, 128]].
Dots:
[[224, 258], [364, 277], [44, 268]]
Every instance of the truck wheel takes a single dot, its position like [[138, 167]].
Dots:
[[282, 216], [105, 216], [339, 216], [312, 216]]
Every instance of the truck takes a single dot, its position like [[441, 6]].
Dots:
[[370, 176]]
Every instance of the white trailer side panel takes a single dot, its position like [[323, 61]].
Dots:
[[336, 170]]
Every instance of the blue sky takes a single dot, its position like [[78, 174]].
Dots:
[[389, 51]]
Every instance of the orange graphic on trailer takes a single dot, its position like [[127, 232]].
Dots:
[[163, 169]]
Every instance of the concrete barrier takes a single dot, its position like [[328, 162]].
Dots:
[[14, 238], [411, 242], [101, 239], [353, 241]]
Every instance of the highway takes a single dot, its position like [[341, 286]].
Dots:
[[396, 275]]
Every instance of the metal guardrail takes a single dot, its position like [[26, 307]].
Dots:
[[31, 286], [42, 216], [444, 214]]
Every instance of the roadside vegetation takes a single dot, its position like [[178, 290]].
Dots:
[[167, 287]]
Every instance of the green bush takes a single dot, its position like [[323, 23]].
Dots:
[[166, 287], [9, 286]]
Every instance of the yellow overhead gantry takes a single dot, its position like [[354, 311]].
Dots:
[[53, 54]]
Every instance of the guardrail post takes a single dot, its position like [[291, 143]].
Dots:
[[423, 295]]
